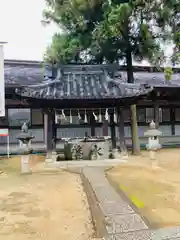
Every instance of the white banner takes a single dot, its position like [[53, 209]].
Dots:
[[2, 85]]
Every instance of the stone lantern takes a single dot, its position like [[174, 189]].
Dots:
[[153, 139], [25, 138]]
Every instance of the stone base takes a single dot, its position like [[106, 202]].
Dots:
[[154, 164], [120, 155], [54, 156], [25, 169], [152, 155], [124, 155], [48, 160], [26, 173], [116, 153], [49, 157]]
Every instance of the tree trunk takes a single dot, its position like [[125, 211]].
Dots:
[[134, 126]]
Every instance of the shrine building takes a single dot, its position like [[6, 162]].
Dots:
[[88, 100]]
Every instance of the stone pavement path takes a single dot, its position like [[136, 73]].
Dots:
[[121, 221], [86, 163]]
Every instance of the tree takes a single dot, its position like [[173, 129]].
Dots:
[[64, 48], [108, 31], [169, 18], [130, 26], [77, 18]]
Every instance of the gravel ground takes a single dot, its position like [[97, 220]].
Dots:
[[43, 206], [153, 186]]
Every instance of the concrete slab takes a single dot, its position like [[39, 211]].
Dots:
[[159, 234], [124, 223]]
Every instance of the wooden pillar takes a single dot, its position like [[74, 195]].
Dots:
[[134, 131], [156, 114], [172, 119], [92, 122], [48, 132], [105, 125], [54, 131], [121, 130], [113, 131]]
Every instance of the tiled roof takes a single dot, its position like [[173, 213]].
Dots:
[[83, 86], [32, 73], [154, 78], [23, 74]]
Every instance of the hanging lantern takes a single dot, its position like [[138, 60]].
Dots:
[[106, 115], [85, 117], [115, 116], [100, 116], [70, 116], [95, 117]]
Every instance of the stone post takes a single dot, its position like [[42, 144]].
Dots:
[[25, 160], [25, 151]]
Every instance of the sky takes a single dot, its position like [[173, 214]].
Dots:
[[21, 28]]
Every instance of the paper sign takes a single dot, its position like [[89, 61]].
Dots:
[[4, 132]]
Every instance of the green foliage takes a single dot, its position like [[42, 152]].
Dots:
[[65, 48], [171, 11], [77, 18], [168, 72], [127, 28], [107, 29]]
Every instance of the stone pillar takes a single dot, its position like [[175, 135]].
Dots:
[[48, 134], [25, 168]]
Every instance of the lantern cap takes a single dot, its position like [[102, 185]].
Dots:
[[152, 131]]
